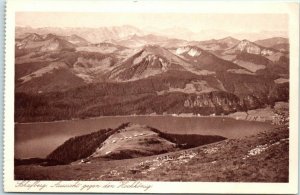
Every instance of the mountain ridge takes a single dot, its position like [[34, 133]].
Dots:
[[101, 34], [175, 80], [129, 140]]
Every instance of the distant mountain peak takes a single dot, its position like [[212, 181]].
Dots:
[[229, 38], [75, 39], [246, 46], [245, 43], [50, 36], [33, 37], [49, 42], [154, 49], [150, 60], [273, 42], [217, 44]]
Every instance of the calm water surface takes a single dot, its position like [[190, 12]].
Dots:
[[39, 139]]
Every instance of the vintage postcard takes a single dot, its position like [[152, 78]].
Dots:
[[151, 97]]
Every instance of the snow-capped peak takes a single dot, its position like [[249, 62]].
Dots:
[[189, 50]]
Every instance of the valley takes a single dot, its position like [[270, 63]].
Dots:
[[168, 108], [65, 76]]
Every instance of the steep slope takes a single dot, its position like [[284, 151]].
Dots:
[[79, 147], [148, 61]]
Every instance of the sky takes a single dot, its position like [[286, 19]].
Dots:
[[192, 21]]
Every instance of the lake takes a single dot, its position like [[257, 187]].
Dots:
[[39, 139]]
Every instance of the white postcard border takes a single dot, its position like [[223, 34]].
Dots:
[[292, 9]]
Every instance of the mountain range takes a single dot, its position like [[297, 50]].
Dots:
[[100, 34], [278, 43], [63, 76]]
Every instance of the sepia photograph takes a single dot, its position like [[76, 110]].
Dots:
[[155, 96], [151, 97]]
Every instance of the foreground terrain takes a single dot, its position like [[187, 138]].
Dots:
[[259, 158]]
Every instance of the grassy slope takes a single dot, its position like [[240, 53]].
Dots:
[[83, 146], [79, 147], [228, 160]]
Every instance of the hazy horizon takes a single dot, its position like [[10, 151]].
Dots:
[[153, 22]]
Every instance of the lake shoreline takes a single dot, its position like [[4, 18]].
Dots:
[[38, 135], [212, 162], [258, 115], [185, 115]]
